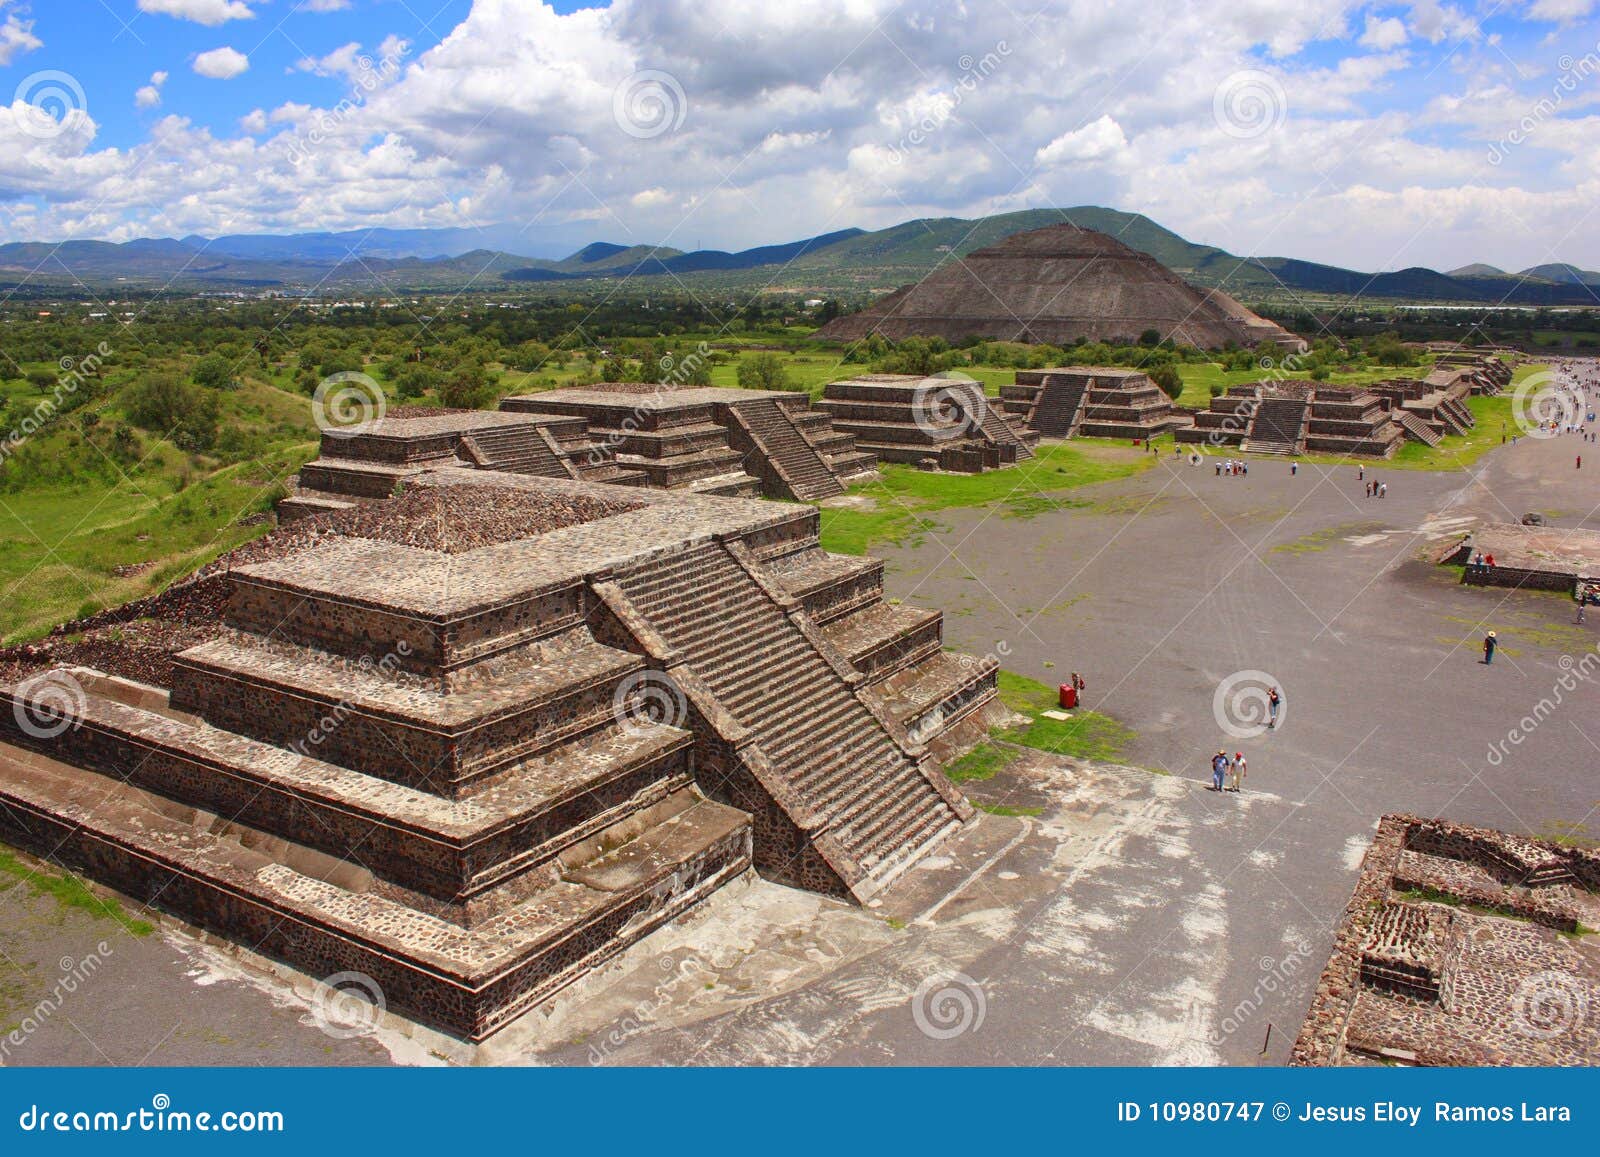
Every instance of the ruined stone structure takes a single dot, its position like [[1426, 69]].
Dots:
[[1298, 417], [718, 441], [1055, 285], [1545, 558], [1457, 949], [1434, 407], [475, 740], [937, 423], [1091, 401]]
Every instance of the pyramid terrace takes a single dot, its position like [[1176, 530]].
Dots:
[[936, 423]]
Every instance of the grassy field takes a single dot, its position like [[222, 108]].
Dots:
[[900, 505]]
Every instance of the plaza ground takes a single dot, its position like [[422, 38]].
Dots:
[[1095, 914]]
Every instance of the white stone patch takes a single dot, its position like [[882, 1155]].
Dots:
[[1354, 849]]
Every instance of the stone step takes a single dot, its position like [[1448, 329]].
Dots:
[[467, 982], [882, 639], [399, 728], [454, 852], [308, 505]]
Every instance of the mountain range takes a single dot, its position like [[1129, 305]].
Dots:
[[847, 261]]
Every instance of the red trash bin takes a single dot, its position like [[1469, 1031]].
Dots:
[[1069, 696]]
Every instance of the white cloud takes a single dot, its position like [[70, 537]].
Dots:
[[207, 12], [1384, 33], [221, 63], [324, 5], [150, 95], [1095, 141], [791, 128], [16, 37], [1561, 11]]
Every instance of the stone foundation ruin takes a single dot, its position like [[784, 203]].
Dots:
[[474, 741], [1458, 948]]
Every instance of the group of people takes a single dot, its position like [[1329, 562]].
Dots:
[[1227, 774], [1233, 467]]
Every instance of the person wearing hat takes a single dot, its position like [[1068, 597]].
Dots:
[[1236, 772], [1219, 768], [1489, 644]]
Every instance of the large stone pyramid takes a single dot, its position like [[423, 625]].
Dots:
[[1054, 285]]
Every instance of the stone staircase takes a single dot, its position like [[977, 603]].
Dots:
[[798, 465], [1416, 428], [1058, 407], [868, 800], [1001, 432], [515, 450], [1279, 426]]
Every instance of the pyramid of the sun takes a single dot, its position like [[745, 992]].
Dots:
[[1055, 285]]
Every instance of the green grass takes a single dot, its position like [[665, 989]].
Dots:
[[1087, 735], [982, 762], [905, 496], [68, 891]]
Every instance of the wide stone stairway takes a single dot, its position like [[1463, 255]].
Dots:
[[807, 474], [876, 800], [1059, 407], [516, 450], [1278, 426]]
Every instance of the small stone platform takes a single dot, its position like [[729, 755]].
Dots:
[[1531, 557], [1298, 417]]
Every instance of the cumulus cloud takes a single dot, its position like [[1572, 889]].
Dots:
[[221, 63], [795, 122], [150, 95], [207, 12], [1384, 33], [16, 37], [1095, 141]]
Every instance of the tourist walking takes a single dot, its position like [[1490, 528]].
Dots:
[[1236, 772], [1219, 768], [1383, 490], [1274, 701], [1489, 644], [1294, 468]]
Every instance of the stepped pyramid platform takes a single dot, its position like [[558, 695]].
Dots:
[[476, 740], [374, 459], [1298, 417], [936, 423], [1091, 401], [716, 441], [1056, 285]]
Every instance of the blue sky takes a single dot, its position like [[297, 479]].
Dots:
[[1373, 135]]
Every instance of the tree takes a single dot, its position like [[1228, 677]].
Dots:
[[763, 371], [1150, 337], [466, 388], [214, 372], [1168, 378], [415, 380], [170, 407]]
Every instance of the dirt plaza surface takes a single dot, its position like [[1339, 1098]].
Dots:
[[1127, 915]]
